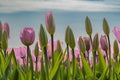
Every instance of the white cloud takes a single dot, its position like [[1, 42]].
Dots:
[[8, 6]]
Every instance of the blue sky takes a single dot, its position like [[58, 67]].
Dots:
[[31, 13]]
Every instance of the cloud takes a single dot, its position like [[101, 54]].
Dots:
[[10, 6]]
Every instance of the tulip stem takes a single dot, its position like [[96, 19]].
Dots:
[[106, 55], [46, 62], [67, 62], [90, 39], [109, 56], [36, 63], [94, 64], [73, 64], [28, 49], [52, 45]]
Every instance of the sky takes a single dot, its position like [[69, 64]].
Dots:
[[31, 13]]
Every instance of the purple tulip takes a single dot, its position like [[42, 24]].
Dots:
[[27, 36], [5, 27], [50, 25], [103, 43], [87, 43], [116, 32]]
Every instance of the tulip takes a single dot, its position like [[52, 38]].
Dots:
[[27, 36], [116, 32], [50, 25], [88, 26], [106, 27], [103, 42], [87, 43], [5, 27]]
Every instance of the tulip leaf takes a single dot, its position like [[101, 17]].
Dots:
[[87, 68], [101, 64], [56, 66]]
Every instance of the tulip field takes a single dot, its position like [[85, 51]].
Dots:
[[91, 57]]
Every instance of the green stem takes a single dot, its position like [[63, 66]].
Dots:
[[52, 45], [46, 62], [36, 63], [67, 62], [28, 49], [90, 39], [106, 55], [94, 64], [73, 64], [109, 57]]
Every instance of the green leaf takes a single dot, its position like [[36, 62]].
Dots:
[[56, 66], [101, 66], [104, 74], [87, 68]]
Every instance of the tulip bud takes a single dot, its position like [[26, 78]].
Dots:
[[27, 36], [103, 42], [43, 37], [116, 49], [4, 41], [50, 25], [70, 38], [88, 26], [36, 50], [6, 28], [67, 34], [106, 27], [116, 32], [87, 43], [81, 45], [59, 48], [95, 42]]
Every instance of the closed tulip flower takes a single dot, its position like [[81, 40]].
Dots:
[[50, 25], [103, 43], [116, 32], [27, 36], [87, 43], [5, 27]]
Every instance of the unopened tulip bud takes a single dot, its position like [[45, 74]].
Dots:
[[106, 27], [103, 42], [116, 49], [4, 41], [36, 50], [6, 28], [27, 36], [67, 35], [88, 26], [43, 37], [59, 48], [81, 45], [87, 43], [70, 38], [50, 25], [95, 43]]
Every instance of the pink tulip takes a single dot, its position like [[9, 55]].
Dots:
[[116, 32], [50, 25], [103, 43], [27, 36], [5, 27]]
